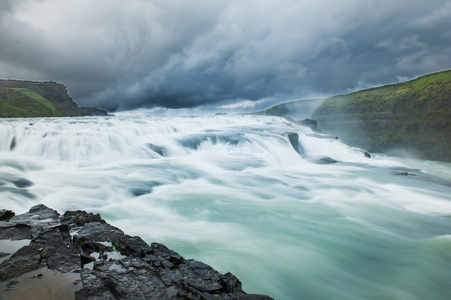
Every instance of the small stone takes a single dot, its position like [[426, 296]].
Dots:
[[6, 215], [326, 160], [22, 183]]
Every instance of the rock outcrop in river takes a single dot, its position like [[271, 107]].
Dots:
[[79, 256]]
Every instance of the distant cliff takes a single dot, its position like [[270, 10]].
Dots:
[[301, 109], [413, 116], [24, 99]]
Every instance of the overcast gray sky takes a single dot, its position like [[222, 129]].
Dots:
[[117, 54]]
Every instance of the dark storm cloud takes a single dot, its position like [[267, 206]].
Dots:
[[120, 55]]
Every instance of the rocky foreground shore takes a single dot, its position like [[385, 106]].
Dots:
[[45, 255]]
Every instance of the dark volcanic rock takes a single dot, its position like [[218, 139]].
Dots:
[[100, 261], [294, 141], [5, 215], [157, 149], [90, 111], [312, 124], [13, 143], [325, 160], [22, 183]]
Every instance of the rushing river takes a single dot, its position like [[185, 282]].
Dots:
[[232, 192]]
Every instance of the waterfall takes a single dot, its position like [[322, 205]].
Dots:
[[313, 220]]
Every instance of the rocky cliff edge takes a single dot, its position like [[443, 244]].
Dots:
[[78, 255]]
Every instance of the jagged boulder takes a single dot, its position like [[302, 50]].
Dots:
[[312, 124], [293, 137], [157, 149]]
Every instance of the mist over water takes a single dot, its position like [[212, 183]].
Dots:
[[232, 191]]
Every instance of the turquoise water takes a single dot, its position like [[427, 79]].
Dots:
[[231, 191]]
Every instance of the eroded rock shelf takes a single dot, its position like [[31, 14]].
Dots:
[[77, 255]]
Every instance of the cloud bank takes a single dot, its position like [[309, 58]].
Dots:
[[125, 54]]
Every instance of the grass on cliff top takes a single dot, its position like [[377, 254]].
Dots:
[[424, 95], [22, 103], [432, 79], [413, 115]]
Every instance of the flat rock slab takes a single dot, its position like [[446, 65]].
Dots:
[[45, 255]]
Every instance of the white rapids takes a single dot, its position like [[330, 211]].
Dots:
[[231, 191]]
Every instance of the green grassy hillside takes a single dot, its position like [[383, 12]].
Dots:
[[22, 102], [23, 99], [413, 116]]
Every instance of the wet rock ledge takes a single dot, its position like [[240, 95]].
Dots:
[[45, 255]]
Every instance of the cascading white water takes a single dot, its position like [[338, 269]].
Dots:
[[233, 192]]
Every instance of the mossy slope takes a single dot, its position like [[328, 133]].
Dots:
[[22, 102], [413, 116], [23, 99]]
